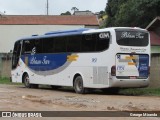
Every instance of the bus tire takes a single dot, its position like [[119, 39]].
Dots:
[[34, 86], [26, 81], [78, 85], [55, 87], [110, 90]]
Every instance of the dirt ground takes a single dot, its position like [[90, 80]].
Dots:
[[19, 98]]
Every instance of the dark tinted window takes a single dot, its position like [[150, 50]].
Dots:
[[88, 43], [38, 46], [132, 38], [54, 45], [95, 42], [74, 43], [28, 46], [48, 45], [59, 44], [32, 46], [102, 41]]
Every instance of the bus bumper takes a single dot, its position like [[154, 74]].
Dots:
[[129, 83]]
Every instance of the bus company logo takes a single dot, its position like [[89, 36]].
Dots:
[[104, 35], [118, 57], [94, 60], [127, 35], [43, 61], [120, 68], [33, 51], [138, 35]]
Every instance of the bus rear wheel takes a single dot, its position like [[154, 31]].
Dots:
[[78, 85]]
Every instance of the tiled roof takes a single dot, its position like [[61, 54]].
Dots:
[[48, 20], [155, 39]]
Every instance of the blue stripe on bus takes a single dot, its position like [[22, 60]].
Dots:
[[143, 65], [44, 62]]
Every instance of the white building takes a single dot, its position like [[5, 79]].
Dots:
[[14, 27], [87, 12]]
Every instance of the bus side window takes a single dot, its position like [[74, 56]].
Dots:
[[59, 44], [74, 43], [38, 48], [27, 46], [48, 45], [88, 43], [102, 44]]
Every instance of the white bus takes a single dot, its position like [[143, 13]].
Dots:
[[117, 57]]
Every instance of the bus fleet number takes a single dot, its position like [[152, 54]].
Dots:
[[94, 60]]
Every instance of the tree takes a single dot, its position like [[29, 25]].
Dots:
[[102, 12], [132, 13], [66, 13], [75, 9], [112, 8]]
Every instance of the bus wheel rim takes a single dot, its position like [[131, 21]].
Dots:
[[79, 85], [27, 81]]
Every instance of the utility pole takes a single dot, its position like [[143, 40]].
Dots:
[[47, 7]]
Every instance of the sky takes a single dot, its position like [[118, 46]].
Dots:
[[56, 7]]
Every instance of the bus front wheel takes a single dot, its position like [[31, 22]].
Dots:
[[78, 85], [27, 82]]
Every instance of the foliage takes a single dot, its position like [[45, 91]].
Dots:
[[141, 91], [5, 80], [101, 14], [74, 9], [66, 13], [132, 13]]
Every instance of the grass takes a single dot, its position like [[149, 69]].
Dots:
[[130, 91], [5, 80], [141, 91]]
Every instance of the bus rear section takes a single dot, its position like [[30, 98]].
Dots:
[[132, 60]]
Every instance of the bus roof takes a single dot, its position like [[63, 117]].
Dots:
[[58, 33], [68, 32], [73, 32]]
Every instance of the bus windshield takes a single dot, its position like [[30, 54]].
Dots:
[[132, 38], [16, 54]]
